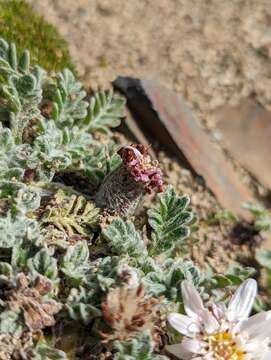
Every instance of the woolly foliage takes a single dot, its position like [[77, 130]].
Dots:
[[170, 222], [48, 120], [72, 275], [75, 262], [166, 279], [103, 112], [122, 238], [79, 306], [140, 348]]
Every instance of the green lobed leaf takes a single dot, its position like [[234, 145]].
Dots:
[[79, 305], [237, 274], [59, 149], [68, 98], [21, 87], [15, 230], [75, 262], [101, 160], [140, 348], [170, 222], [43, 263], [8, 54], [122, 238], [13, 158], [104, 112], [166, 280], [20, 255], [26, 199]]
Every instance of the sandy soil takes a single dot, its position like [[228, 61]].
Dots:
[[214, 52]]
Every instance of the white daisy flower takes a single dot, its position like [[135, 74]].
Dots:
[[217, 332]]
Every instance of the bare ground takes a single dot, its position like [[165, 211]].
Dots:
[[214, 52]]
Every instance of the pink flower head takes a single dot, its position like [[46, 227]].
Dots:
[[140, 166]]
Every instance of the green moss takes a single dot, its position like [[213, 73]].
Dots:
[[18, 23]]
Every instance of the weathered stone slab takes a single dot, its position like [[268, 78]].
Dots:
[[169, 119], [246, 133]]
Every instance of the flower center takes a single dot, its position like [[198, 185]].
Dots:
[[222, 346]]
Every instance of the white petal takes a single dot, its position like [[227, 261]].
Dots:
[[256, 350], [208, 357], [209, 321], [251, 325], [193, 304], [219, 310], [259, 328], [267, 356], [242, 301], [183, 324], [250, 347], [193, 346], [178, 351]]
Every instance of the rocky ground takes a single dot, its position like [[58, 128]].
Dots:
[[213, 52]]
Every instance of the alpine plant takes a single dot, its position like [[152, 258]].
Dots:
[[216, 332], [82, 275], [136, 175]]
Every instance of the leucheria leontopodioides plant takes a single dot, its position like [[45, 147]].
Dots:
[[78, 278]]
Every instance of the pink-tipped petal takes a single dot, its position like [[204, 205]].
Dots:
[[140, 166], [151, 171], [133, 162], [144, 178]]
